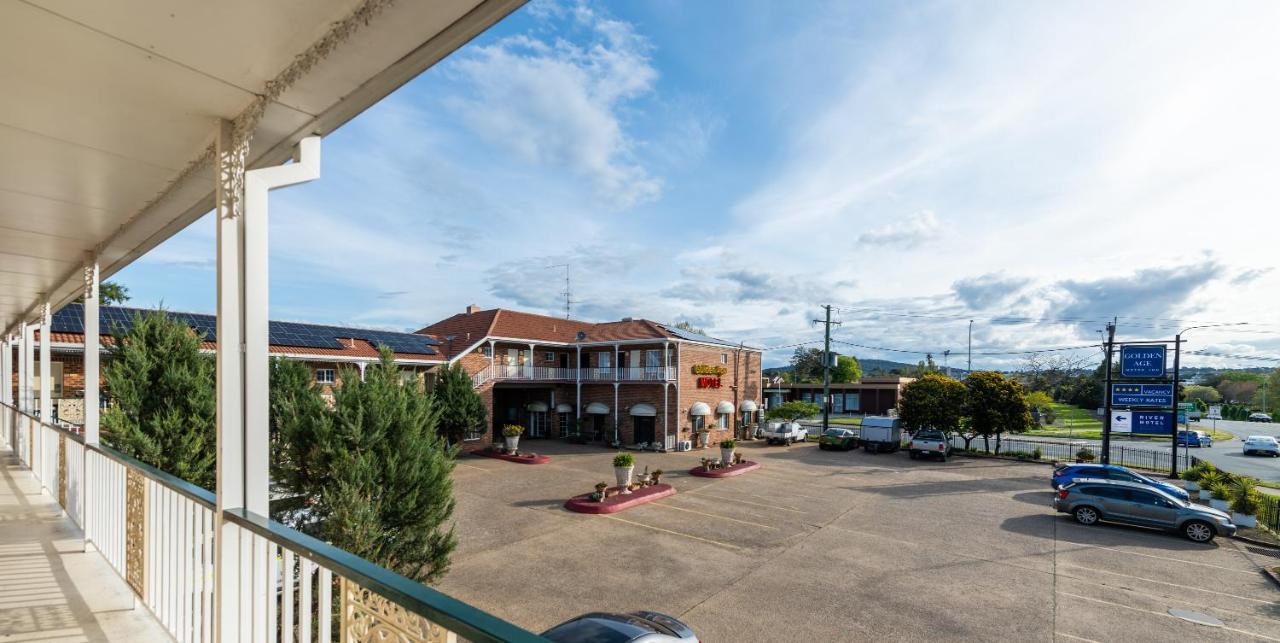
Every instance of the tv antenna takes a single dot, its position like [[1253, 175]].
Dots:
[[567, 293]]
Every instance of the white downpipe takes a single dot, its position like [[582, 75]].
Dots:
[[257, 185], [6, 375]]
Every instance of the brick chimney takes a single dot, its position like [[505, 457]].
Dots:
[[473, 309]]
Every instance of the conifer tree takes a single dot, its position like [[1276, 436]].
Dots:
[[461, 408], [163, 394], [300, 427], [375, 473]]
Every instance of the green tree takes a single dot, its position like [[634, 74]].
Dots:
[[300, 427], [1206, 394], [461, 408], [110, 293], [381, 485], [792, 411], [163, 394], [995, 405], [934, 401], [806, 365], [847, 369], [684, 325], [1041, 402]]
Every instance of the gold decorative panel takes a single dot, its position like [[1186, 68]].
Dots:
[[62, 470], [135, 532], [370, 618]]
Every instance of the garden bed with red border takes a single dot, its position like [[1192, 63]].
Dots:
[[522, 459], [727, 472], [616, 502]]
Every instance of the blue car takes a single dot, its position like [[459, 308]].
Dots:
[[1063, 476], [1194, 439]]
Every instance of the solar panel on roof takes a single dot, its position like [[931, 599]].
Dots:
[[114, 319]]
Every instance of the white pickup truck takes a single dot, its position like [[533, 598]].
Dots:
[[784, 433], [930, 443]]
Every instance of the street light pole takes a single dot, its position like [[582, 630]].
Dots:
[[1186, 443], [969, 368]]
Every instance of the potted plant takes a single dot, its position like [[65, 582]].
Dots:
[[1192, 479], [1208, 480], [704, 438], [601, 488], [1084, 455], [1219, 495], [1244, 503], [511, 436], [657, 476], [623, 465], [726, 451]]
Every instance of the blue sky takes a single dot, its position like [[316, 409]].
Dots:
[[737, 169]]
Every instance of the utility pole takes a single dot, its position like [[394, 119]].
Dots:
[[826, 368], [1106, 397], [1173, 437], [969, 368]]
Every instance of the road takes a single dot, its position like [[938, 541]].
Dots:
[[1225, 455]]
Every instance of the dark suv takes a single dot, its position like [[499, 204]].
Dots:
[[1091, 500]]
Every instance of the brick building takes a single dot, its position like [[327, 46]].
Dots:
[[325, 349], [635, 381], [868, 396]]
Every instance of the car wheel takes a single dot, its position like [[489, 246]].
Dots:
[[1086, 515], [1198, 531]]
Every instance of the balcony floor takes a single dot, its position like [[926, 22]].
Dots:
[[49, 589]]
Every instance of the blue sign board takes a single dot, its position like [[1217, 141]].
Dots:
[[1152, 423], [1142, 395], [1142, 361]]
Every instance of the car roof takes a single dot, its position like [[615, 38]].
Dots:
[[1120, 483], [1259, 437]]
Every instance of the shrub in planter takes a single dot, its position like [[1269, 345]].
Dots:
[[1085, 455], [726, 451], [1219, 493], [1245, 500], [623, 465], [1208, 480], [657, 476], [1192, 478], [511, 436], [1037, 454]]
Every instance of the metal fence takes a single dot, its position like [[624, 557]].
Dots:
[[1127, 456], [1269, 511]]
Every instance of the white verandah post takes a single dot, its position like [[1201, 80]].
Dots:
[[242, 370], [92, 376], [6, 394]]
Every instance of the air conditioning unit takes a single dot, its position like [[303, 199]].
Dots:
[[684, 445]]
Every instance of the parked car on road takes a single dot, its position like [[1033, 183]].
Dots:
[[1259, 417], [784, 433], [634, 627], [1067, 474], [1194, 438], [838, 439], [1091, 500], [881, 434], [1261, 445], [928, 444]]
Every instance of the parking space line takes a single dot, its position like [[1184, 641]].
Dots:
[[472, 466], [1075, 638], [703, 513], [1251, 572], [668, 531], [748, 502], [1160, 582], [1165, 614]]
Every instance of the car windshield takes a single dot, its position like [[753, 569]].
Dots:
[[929, 435], [835, 433]]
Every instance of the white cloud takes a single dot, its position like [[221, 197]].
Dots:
[[558, 103], [909, 232]]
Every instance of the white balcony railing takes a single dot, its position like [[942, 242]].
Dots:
[[647, 373], [158, 532], [597, 374]]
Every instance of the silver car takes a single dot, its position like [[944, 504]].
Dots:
[[634, 627], [1261, 445], [1092, 499]]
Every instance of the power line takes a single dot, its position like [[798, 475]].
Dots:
[[1005, 320]]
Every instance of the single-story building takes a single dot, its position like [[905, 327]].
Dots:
[[868, 396]]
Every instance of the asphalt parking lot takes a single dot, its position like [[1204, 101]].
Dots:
[[841, 546]]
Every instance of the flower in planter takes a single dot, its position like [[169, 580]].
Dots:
[[512, 431]]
